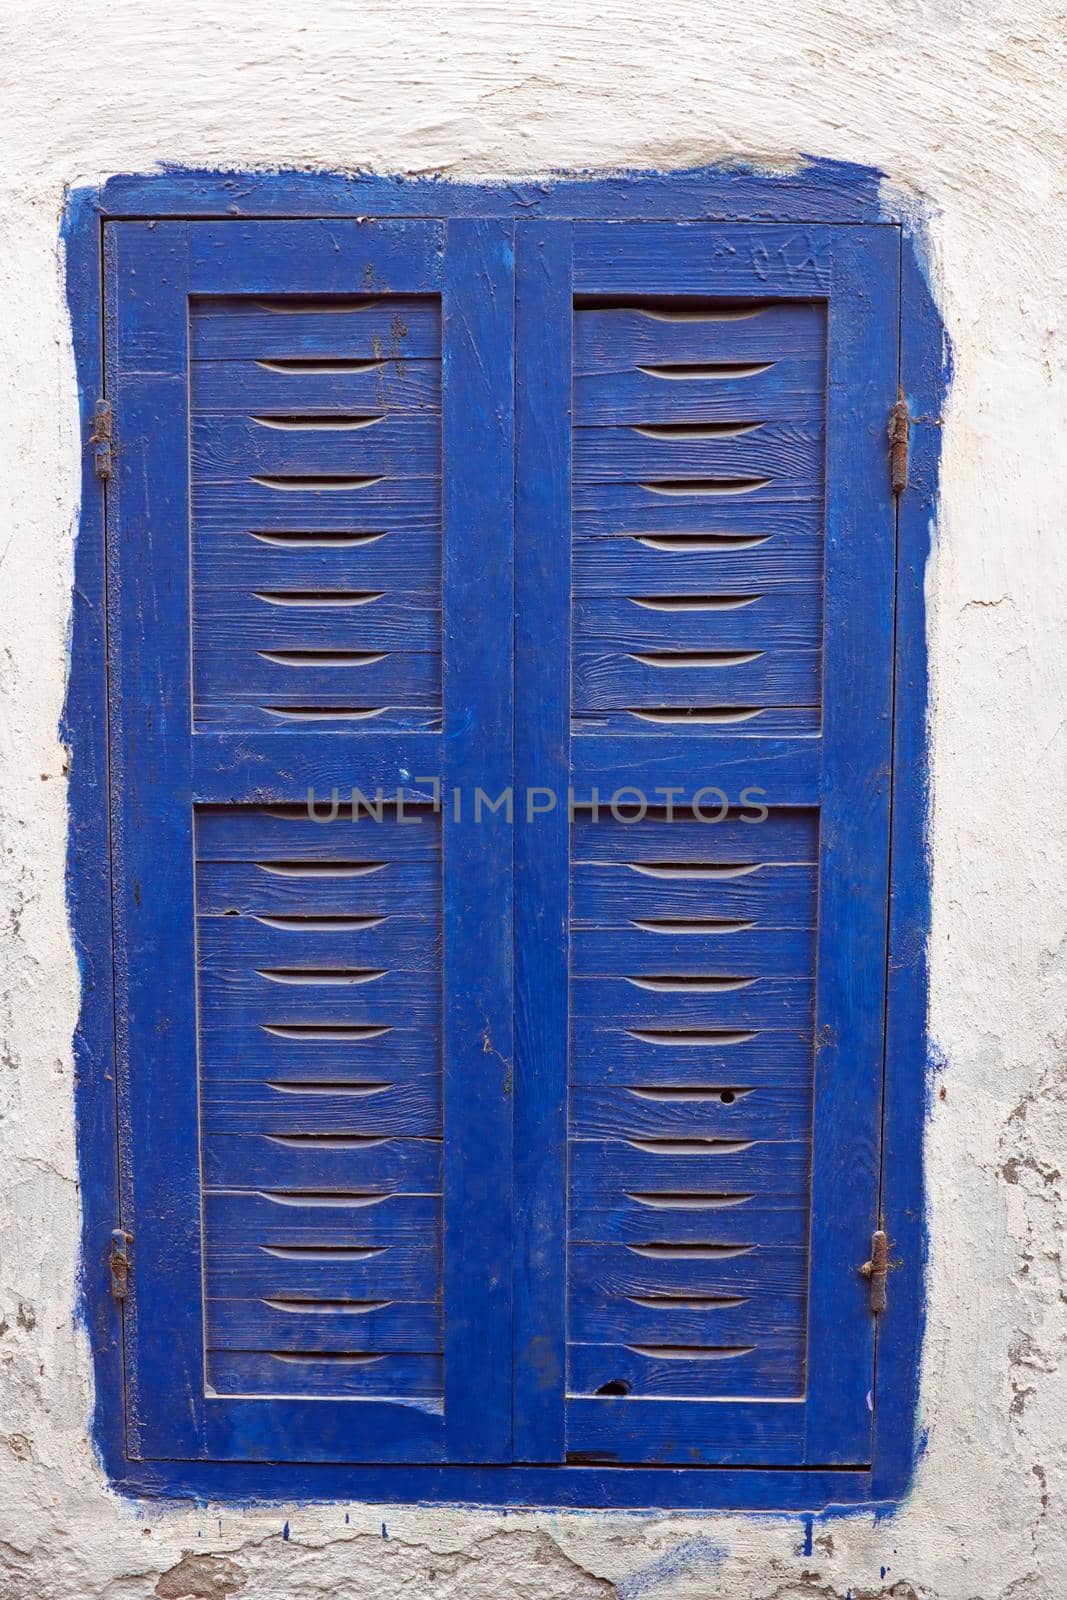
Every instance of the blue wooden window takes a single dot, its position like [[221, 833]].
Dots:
[[479, 1150]]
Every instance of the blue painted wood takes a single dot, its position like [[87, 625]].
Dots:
[[319, 960], [693, 258], [353, 326], [542, 677], [854, 839], [659, 1369], [821, 190], [300, 384], [823, 1493], [662, 1431], [750, 617], [697, 1225], [780, 771], [155, 972], [666, 673], [229, 259], [228, 766], [478, 383], [621, 338], [355, 1113], [321, 505], [719, 393], [84, 731], [925, 375]]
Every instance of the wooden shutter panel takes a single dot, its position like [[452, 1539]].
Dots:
[[701, 1002], [313, 426], [310, 588]]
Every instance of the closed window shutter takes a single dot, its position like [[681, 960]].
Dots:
[[314, 432], [716, 561], [418, 1170]]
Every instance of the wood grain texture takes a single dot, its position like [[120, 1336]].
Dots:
[[289, 1158], [542, 694], [691, 1191], [297, 503], [926, 370], [479, 440], [820, 190]]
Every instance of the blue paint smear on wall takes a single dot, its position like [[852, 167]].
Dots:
[[687, 1559]]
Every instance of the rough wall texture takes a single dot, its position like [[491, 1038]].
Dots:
[[962, 105]]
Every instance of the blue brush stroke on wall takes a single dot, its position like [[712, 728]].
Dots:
[[687, 1559]]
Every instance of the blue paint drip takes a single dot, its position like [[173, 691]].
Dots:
[[687, 1559], [384, 1533], [285, 1532], [809, 1525]]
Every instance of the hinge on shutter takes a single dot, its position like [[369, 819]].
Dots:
[[876, 1270], [100, 438], [119, 1262], [899, 423]]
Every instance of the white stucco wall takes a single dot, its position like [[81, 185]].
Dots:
[[963, 105]]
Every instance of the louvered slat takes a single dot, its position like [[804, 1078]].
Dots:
[[316, 512], [690, 1178], [697, 607], [338, 1151], [318, 1028], [652, 487]]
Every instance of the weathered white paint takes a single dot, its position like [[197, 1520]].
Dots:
[[963, 105]]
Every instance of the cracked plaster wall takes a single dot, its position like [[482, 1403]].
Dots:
[[962, 104]]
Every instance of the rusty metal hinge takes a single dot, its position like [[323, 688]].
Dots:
[[100, 438], [876, 1270], [119, 1262], [899, 423]]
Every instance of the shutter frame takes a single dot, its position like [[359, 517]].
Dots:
[[826, 191]]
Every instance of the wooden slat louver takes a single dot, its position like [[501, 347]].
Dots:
[[316, 447], [316, 603], [693, 991], [319, 959], [698, 461]]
